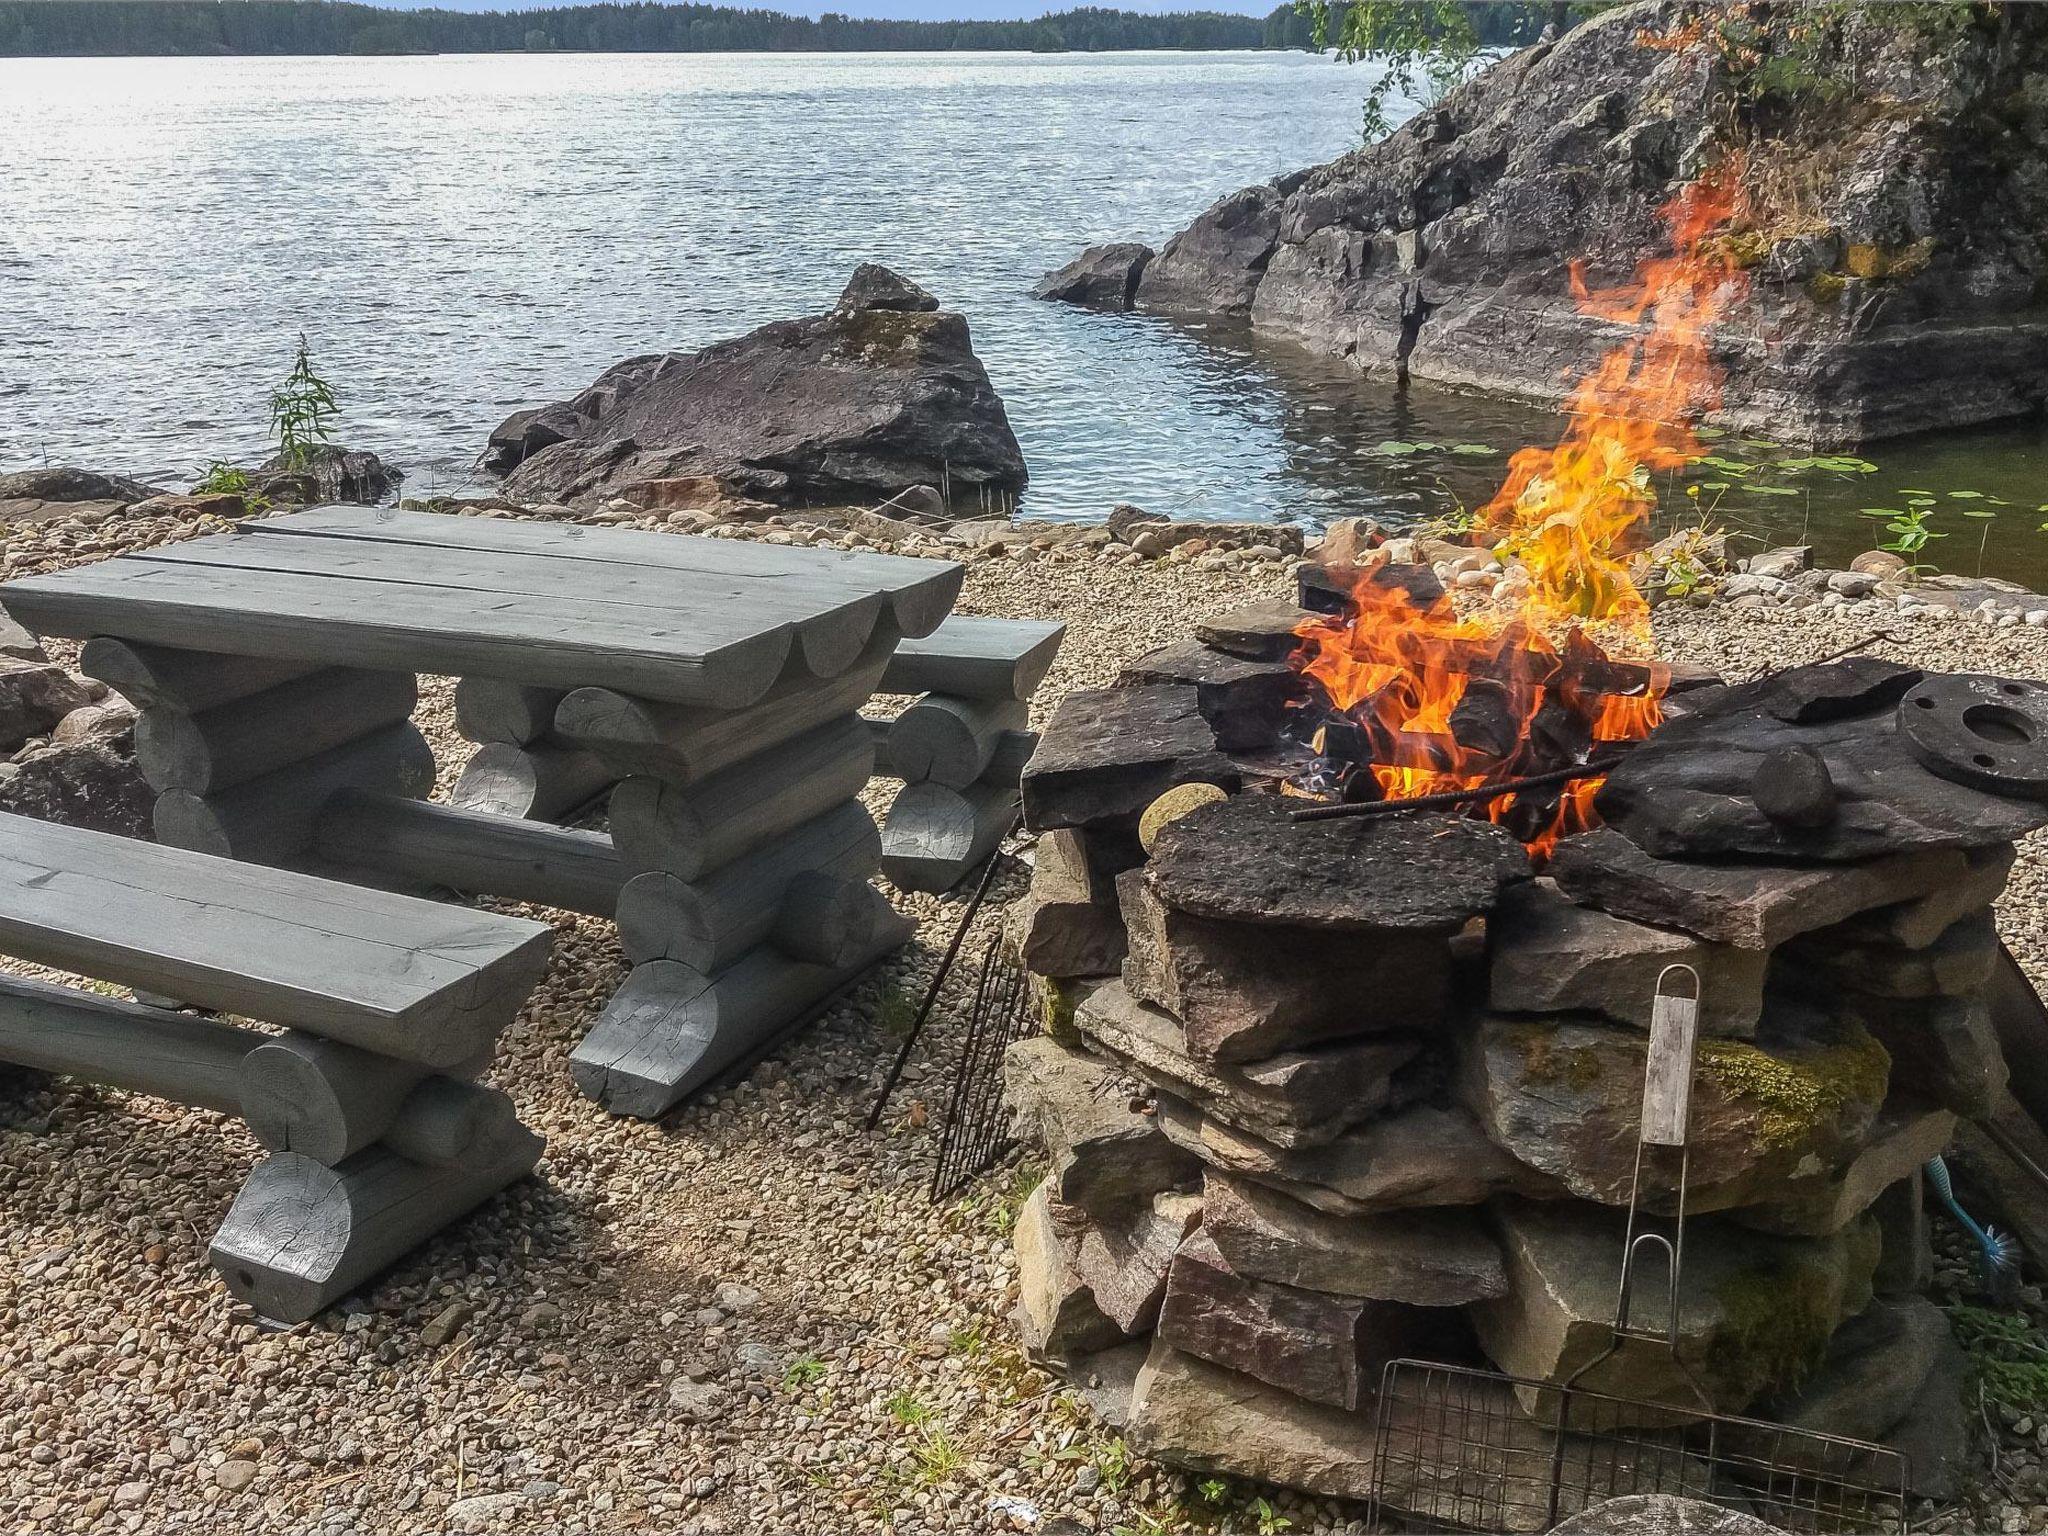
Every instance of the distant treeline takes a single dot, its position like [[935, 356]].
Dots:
[[45, 28]]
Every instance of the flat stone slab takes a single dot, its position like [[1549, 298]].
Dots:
[[1298, 1098], [1548, 954], [1107, 1151], [1107, 753], [1245, 860], [1246, 991], [1413, 1158], [1260, 631], [1244, 700], [1756, 906], [1426, 1258], [1703, 786]]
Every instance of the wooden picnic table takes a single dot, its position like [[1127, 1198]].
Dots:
[[275, 670]]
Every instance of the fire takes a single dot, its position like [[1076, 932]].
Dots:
[[1435, 699]]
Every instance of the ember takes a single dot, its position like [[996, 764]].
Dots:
[[1419, 696]]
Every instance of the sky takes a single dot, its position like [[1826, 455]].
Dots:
[[891, 10]]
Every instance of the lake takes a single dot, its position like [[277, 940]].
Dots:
[[459, 236]]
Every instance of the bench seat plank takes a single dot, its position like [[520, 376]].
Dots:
[[414, 979], [976, 657]]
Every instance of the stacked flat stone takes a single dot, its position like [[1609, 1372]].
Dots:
[[1321, 1095], [961, 745]]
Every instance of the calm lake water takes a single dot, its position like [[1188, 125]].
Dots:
[[459, 236]]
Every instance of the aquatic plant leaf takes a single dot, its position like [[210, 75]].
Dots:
[[1476, 450], [1394, 449]]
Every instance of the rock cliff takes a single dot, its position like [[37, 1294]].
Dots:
[[1897, 173]]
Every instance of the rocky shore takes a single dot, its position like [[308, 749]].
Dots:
[[1892, 165]]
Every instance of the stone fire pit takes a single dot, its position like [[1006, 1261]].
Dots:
[[1323, 1094]]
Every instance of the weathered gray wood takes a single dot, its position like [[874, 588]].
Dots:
[[920, 593], [400, 626], [321, 1098], [687, 746], [949, 740], [933, 835], [474, 852], [234, 743], [980, 658], [272, 819], [542, 782], [122, 1045], [419, 980], [710, 923], [445, 1119], [1005, 764], [826, 920], [671, 1029], [689, 832], [487, 709], [300, 1234], [154, 677], [328, 1101]]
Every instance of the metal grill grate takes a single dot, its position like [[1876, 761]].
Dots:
[[1459, 1449], [973, 1134]]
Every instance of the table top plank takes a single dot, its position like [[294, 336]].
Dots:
[[414, 627], [283, 947], [920, 592]]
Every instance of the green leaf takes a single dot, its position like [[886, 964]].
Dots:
[[1982, 513], [1709, 434], [1965, 495], [1398, 450], [1879, 512], [1771, 490], [1726, 466], [1475, 450]]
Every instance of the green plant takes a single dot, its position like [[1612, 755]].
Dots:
[[908, 1408], [1424, 47], [2008, 1356], [221, 479], [299, 409], [1271, 1521], [936, 1456], [804, 1371], [1909, 532]]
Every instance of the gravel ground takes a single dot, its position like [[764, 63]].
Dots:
[[744, 1318]]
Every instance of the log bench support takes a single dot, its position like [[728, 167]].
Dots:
[[377, 1134]]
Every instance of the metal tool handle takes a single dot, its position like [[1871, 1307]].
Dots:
[[1667, 1112]]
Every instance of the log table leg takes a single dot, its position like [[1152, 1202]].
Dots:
[[748, 908]]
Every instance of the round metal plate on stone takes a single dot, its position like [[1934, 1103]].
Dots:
[[1988, 732]]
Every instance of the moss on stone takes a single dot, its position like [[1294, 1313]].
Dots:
[[1799, 1093], [1544, 1060], [1826, 287], [1056, 1011], [1777, 1322]]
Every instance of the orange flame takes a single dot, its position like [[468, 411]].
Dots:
[[1567, 518]]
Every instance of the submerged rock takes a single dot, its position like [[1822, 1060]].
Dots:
[[1101, 277], [1904, 295], [878, 395]]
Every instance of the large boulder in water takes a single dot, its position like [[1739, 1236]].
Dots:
[[1898, 181], [881, 393]]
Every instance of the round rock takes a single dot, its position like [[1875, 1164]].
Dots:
[[1173, 805], [1246, 860]]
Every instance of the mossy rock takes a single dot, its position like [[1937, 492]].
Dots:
[[1755, 1312], [1563, 1094]]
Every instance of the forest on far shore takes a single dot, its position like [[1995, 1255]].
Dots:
[[48, 28]]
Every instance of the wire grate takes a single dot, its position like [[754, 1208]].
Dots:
[[975, 1131], [1461, 1449]]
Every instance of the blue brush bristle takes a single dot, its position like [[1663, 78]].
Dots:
[[1998, 1253]]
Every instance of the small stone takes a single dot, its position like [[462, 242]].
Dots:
[[446, 1324], [1173, 805], [234, 1476], [736, 1299], [131, 1495]]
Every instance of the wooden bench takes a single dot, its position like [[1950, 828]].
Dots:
[[961, 748], [377, 1134]]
